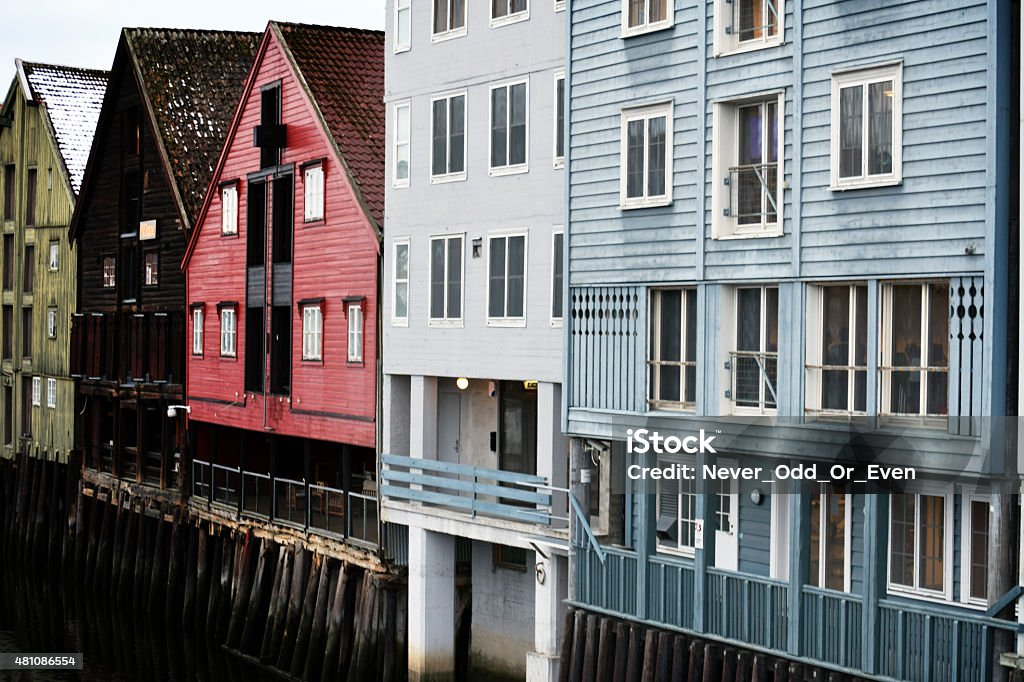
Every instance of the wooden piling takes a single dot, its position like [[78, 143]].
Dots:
[[332, 645], [605, 650], [188, 598], [242, 587], [317, 574], [296, 594], [579, 646], [317, 634], [256, 611], [590, 649]]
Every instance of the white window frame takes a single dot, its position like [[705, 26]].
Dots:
[[863, 76], [355, 332], [815, 358], [396, 320], [726, 39], [559, 230], [51, 322], [449, 176], [51, 393], [400, 6], [37, 392], [401, 139], [54, 255], [967, 496], [508, 321], [647, 26], [312, 332], [198, 316], [446, 321], [228, 332], [450, 33], [559, 5], [654, 317], [510, 18], [558, 160], [509, 168], [645, 113], [680, 548], [111, 282], [762, 408], [725, 150], [229, 209], [313, 194], [150, 275], [823, 491], [917, 592]]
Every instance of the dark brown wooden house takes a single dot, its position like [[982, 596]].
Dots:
[[167, 110]]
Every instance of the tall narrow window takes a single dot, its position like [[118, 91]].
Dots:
[[754, 363], [640, 16], [672, 363], [36, 391], [755, 175], [401, 141], [51, 393], [151, 269], [51, 322], [504, 11], [26, 332], [227, 332], [919, 529], [271, 137], [677, 512], [506, 281], [974, 587], [54, 256], [559, 135], [509, 127], [557, 275], [229, 209], [29, 394], [830, 534], [9, 192], [837, 367], [30, 197], [312, 332], [109, 272], [867, 127], [448, 148], [915, 349], [8, 262], [313, 195], [355, 332], [446, 279], [449, 18], [8, 332], [29, 269], [197, 330], [646, 158], [403, 14], [400, 292]]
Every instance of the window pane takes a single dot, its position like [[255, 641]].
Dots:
[[496, 296], [636, 13], [880, 128], [499, 8], [933, 510], [437, 279], [560, 117], [835, 542], [402, 299], [850, 131], [690, 354], [557, 270], [860, 349], [458, 8], [835, 349], [938, 348], [656, 11], [748, 326], [670, 342], [771, 344], [455, 277], [656, 156], [518, 5], [906, 348], [750, 134], [458, 134], [440, 16], [901, 559], [516, 275], [749, 18], [517, 136], [814, 568], [499, 122], [979, 550], [439, 157], [635, 159]]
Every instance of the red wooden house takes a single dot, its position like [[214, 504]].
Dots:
[[283, 279]]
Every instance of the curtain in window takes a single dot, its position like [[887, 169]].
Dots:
[[880, 128], [656, 156], [635, 159], [437, 278], [454, 278], [850, 131], [517, 132]]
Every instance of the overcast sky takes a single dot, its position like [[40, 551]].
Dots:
[[85, 33]]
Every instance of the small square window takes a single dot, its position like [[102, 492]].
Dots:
[[312, 332], [449, 19], [646, 156], [867, 115], [514, 558], [51, 393], [227, 332], [51, 323], [54, 256], [355, 332], [641, 16], [313, 184], [509, 11], [109, 272], [229, 209], [151, 273], [742, 25]]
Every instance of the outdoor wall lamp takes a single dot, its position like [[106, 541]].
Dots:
[[172, 410], [462, 383]]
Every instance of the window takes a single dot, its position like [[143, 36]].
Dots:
[[8, 273], [355, 332], [672, 363], [403, 12], [29, 393], [313, 198], [974, 578], [26, 332], [646, 156], [559, 136], [640, 16], [867, 127], [754, 363], [197, 330], [915, 349], [229, 209], [508, 11], [9, 192], [401, 142], [837, 349], [151, 269], [449, 18], [400, 291], [30, 197], [747, 24], [51, 393], [677, 512], [54, 256], [8, 331], [830, 539], [36, 391], [557, 276], [29, 270], [514, 558], [109, 272], [448, 138], [506, 280], [51, 323], [508, 128], [445, 279], [227, 332], [312, 332], [919, 526]]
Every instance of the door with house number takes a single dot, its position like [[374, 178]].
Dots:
[[727, 524]]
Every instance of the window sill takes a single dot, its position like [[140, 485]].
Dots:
[[740, 411], [313, 361], [506, 322], [448, 35], [655, 409], [508, 170], [445, 324], [510, 19], [222, 356], [866, 184], [399, 49], [630, 204], [560, 6], [197, 356], [314, 223], [749, 46], [400, 322], [353, 363], [557, 323], [559, 163], [630, 32], [919, 594], [229, 235], [450, 177], [761, 234], [399, 184], [685, 553]]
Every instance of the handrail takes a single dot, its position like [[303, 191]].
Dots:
[[585, 522], [463, 469], [927, 610]]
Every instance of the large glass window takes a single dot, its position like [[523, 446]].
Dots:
[[754, 364], [839, 373], [672, 362], [446, 278], [508, 127], [506, 282], [866, 126], [915, 349], [918, 533]]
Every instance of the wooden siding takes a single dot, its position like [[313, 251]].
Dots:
[[331, 400]]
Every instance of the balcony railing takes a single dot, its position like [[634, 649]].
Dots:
[[753, 194], [471, 490], [311, 507], [127, 347], [748, 608], [752, 379]]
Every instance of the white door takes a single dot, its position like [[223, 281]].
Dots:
[[727, 526], [449, 431]]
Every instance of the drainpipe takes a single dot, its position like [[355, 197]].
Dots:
[[1020, 326]]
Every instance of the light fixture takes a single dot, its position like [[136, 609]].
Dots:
[[462, 383], [172, 410], [756, 496], [478, 243]]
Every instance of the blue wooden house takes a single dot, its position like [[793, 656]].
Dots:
[[791, 224]]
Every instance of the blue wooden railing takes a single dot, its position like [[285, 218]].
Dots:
[[748, 608], [831, 627]]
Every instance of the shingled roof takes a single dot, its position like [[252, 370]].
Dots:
[[72, 99], [343, 69], [192, 81]]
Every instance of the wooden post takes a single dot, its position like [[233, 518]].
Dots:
[[281, 576], [1000, 574], [876, 514], [799, 543], [317, 575]]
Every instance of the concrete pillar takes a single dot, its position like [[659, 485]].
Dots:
[[549, 608], [423, 417], [431, 606], [552, 445]]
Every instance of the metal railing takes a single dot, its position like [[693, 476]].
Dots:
[[752, 378], [291, 501], [256, 497], [201, 480], [227, 484], [840, 389], [753, 194], [673, 384]]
